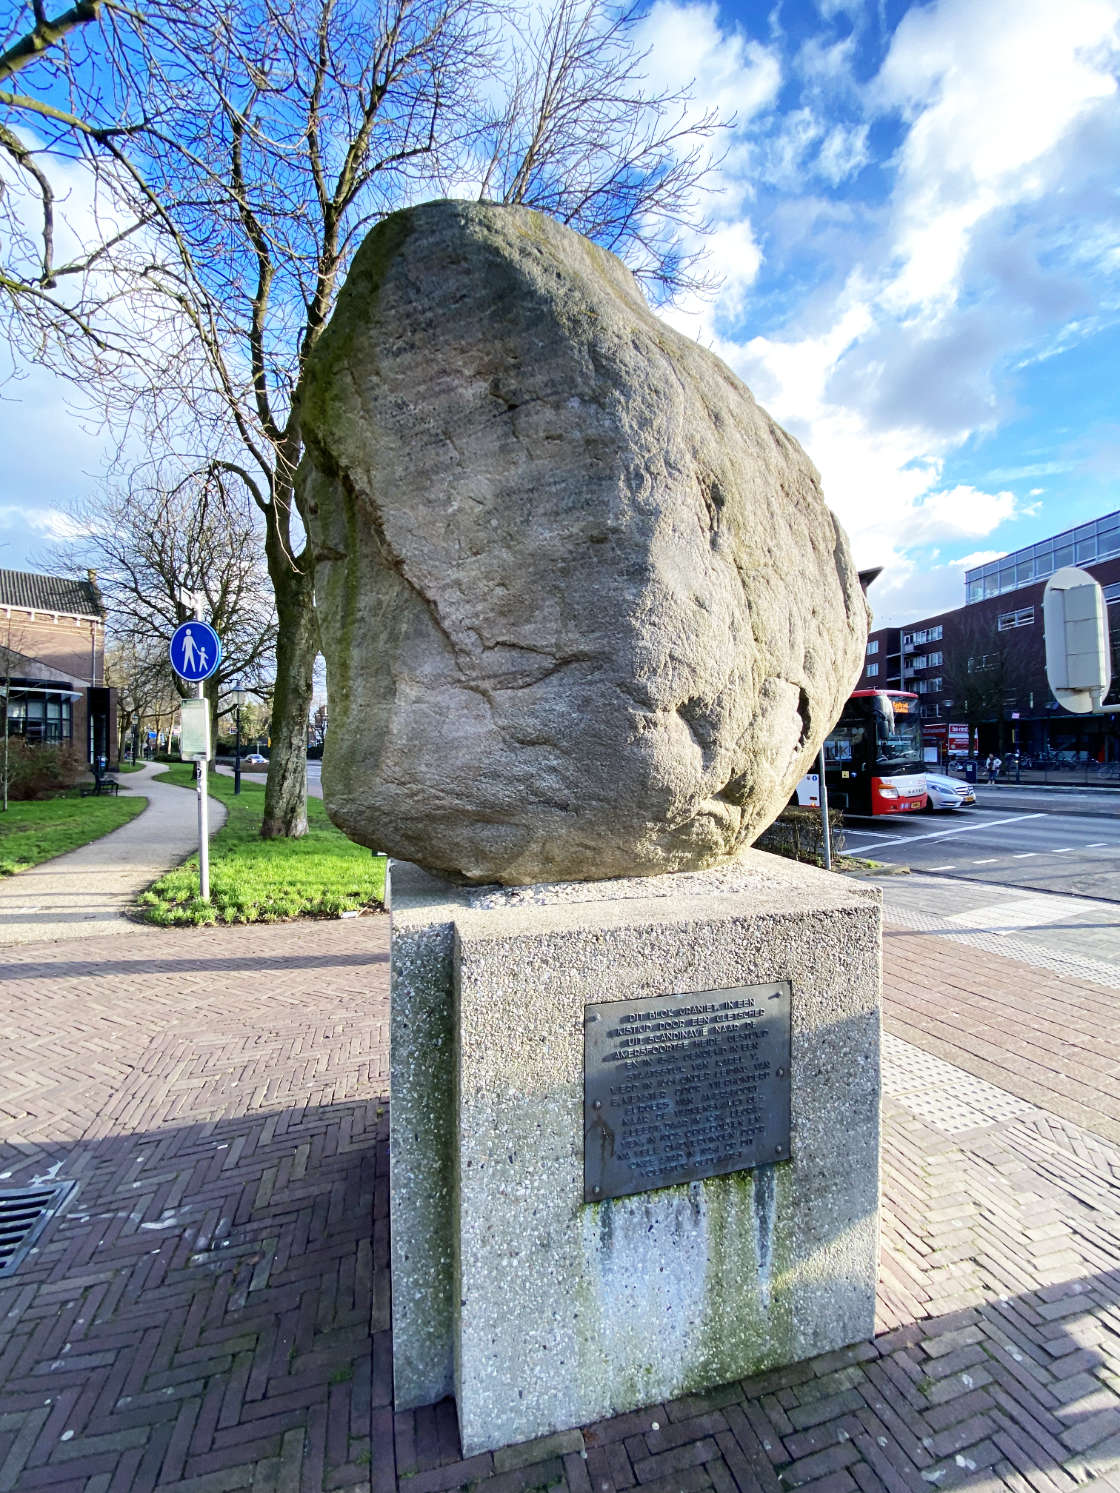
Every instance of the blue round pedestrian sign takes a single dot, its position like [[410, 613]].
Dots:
[[196, 651]]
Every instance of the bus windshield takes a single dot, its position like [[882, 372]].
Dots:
[[898, 737]]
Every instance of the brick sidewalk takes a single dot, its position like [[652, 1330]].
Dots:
[[211, 1312]]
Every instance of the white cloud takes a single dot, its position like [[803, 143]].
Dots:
[[45, 523], [989, 94], [909, 590], [732, 73], [843, 152], [899, 350]]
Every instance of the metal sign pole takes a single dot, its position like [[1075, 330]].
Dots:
[[195, 651], [203, 806], [203, 823], [826, 835]]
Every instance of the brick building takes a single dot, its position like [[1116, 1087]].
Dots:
[[984, 661], [52, 657]]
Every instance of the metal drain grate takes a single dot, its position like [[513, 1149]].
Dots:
[[23, 1217]]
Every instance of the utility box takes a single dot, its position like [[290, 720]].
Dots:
[[1078, 665]]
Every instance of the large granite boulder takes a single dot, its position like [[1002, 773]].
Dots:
[[584, 611]]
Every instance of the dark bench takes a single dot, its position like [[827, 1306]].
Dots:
[[99, 786]]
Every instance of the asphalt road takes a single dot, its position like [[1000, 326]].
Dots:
[[1040, 877], [1033, 849]]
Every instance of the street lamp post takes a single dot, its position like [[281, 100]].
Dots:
[[238, 697]]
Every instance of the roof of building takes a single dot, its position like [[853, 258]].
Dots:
[[50, 593], [19, 668]]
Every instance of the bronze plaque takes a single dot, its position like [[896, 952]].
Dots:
[[679, 1087]]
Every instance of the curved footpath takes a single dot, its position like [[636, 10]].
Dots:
[[89, 891]]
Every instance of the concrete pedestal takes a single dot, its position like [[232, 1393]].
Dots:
[[539, 1311]]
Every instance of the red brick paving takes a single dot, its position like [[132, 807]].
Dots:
[[1044, 1036], [211, 1312]]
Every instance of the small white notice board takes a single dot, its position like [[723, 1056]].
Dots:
[[194, 733]]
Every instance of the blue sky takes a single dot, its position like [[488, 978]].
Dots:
[[918, 230]]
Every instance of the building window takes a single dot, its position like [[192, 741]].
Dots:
[[1108, 535], [1024, 617], [935, 633], [872, 671], [873, 648], [982, 661], [39, 718]]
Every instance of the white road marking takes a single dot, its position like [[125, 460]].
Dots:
[[1023, 855], [989, 862], [1065, 850], [940, 868], [1097, 845], [942, 833]]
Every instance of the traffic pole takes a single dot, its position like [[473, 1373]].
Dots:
[[826, 834], [203, 822]]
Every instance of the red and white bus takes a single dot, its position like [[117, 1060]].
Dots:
[[873, 756]]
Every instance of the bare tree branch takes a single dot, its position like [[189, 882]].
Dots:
[[242, 149], [46, 34]]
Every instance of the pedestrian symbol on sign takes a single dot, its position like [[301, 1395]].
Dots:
[[196, 651]]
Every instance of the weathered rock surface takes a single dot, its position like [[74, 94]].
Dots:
[[584, 611]]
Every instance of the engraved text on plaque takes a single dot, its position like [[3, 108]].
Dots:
[[678, 1087]]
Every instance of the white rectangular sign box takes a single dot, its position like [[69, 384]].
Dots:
[[194, 731]]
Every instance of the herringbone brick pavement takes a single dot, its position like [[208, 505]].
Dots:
[[211, 1311]]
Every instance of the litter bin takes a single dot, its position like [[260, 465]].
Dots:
[[970, 771]]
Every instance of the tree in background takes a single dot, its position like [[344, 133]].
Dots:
[[318, 725], [245, 147], [156, 551], [145, 684], [985, 671]]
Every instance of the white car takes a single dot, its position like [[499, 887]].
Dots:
[[947, 793]]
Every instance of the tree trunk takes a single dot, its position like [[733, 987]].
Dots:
[[211, 698], [297, 643]]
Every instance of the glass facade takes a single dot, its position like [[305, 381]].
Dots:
[[1096, 540], [40, 716]]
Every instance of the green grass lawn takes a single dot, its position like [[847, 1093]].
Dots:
[[259, 881], [31, 833]]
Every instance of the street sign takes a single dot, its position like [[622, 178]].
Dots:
[[195, 650]]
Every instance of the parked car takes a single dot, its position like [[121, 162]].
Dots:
[[254, 759], [947, 793]]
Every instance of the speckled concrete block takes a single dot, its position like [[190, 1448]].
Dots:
[[542, 1311]]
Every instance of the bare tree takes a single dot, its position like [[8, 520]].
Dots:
[[581, 137], [145, 684], [64, 221], [317, 726], [986, 670], [256, 141], [154, 552]]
